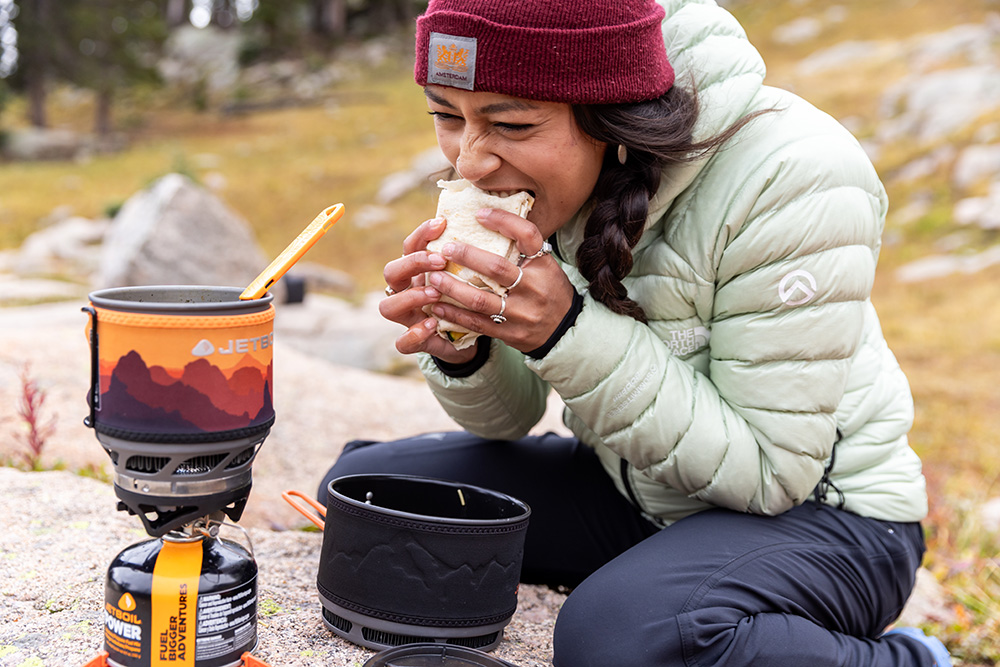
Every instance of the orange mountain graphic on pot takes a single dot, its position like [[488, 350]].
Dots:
[[203, 398]]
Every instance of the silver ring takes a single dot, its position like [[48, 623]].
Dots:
[[499, 318], [545, 250], [520, 274], [389, 291]]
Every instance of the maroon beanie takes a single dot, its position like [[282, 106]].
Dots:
[[575, 51]]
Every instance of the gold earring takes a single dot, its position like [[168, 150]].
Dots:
[[622, 154]]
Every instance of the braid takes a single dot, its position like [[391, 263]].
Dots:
[[617, 221], [656, 134]]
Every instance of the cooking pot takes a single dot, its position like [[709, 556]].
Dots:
[[180, 396], [410, 559]]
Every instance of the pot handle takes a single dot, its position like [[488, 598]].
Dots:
[[94, 393], [315, 504]]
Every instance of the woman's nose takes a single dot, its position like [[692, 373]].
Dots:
[[476, 159]]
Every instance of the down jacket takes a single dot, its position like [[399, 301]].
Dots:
[[763, 352]]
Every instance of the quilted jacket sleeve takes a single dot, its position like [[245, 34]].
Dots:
[[502, 400], [783, 234]]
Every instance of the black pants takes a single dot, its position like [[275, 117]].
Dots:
[[813, 587]]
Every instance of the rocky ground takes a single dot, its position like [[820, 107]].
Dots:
[[62, 529]]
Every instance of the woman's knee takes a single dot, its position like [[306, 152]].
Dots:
[[578, 633], [611, 610]]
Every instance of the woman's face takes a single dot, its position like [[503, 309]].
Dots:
[[508, 144]]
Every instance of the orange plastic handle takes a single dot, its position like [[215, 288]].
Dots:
[[315, 504], [306, 239], [100, 661]]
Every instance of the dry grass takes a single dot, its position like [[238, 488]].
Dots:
[[279, 169]]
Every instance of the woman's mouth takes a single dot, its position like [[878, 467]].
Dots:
[[507, 193]]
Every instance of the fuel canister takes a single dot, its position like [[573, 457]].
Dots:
[[181, 600]]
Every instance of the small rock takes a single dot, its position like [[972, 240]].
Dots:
[[67, 248], [927, 604], [798, 31], [422, 170], [371, 216], [974, 164], [938, 266], [33, 143], [989, 515], [983, 212], [930, 106]]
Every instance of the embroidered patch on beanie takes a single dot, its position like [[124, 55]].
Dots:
[[451, 60]]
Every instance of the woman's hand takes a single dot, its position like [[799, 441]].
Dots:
[[409, 294], [532, 309]]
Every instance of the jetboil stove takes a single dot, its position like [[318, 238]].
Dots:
[[181, 400]]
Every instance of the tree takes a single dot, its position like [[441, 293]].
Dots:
[[119, 43], [276, 28], [176, 12], [329, 18], [42, 49]]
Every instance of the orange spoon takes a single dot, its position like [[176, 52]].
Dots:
[[306, 239]]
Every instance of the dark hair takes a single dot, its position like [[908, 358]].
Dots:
[[655, 134]]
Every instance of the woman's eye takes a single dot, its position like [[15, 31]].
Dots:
[[440, 115], [513, 127]]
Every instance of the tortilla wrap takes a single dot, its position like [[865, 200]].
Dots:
[[457, 205]]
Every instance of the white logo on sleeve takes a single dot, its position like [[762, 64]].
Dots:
[[797, 288], [204, 348]]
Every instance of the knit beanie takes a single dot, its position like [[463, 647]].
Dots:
[[575, 51]]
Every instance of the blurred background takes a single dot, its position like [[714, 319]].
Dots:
[[282, 107]]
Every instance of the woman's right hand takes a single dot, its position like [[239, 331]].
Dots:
[[409, 293]]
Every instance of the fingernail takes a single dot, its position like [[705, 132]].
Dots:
[[430, 324], [483, 213], [437, 310], [448, 249], [437, 223], [431, 293], [437, 261], [434, 278]]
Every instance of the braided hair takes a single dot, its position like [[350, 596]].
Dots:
[[656, 133]]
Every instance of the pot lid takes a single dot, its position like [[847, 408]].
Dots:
[[433, 655]]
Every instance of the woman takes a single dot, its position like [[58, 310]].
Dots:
[[694, 284]]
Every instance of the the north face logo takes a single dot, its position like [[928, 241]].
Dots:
[[797, 288]]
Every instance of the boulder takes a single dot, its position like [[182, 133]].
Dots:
[[178, 233]]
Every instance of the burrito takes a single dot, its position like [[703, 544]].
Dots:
[[457, 204]]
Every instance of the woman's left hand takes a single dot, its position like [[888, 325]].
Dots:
[[533, 307]]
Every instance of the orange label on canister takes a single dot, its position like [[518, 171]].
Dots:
[[175, 603]]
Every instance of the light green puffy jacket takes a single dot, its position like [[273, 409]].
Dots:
[[762, 346]]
